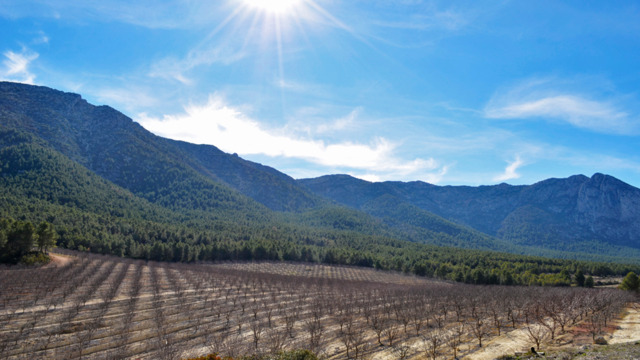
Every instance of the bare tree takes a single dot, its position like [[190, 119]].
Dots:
[[391, 330], [314, 328], [432, 342], [402, 351], [536, 332], [455, 337], [257, 328]]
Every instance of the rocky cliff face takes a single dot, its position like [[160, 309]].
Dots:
[[610, 208]]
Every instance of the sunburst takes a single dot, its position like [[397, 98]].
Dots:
[[281, 7]]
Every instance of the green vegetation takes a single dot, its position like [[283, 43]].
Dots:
[[17, 239], [631, 282], [91, 214], [106, 185], [285, 355]]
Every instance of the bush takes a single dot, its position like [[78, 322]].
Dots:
[[600, 341], [35, 258], [285, 355]]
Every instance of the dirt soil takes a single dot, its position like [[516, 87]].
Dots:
[[507, 343], [628, 327], [59, 260]]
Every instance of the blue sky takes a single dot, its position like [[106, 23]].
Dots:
[[477, 92]]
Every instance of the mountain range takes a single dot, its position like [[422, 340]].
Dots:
[[62, 158]]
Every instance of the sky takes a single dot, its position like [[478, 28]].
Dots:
[[447, 92]]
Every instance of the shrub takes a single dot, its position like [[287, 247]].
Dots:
[[600, 341], [35, 259], [285, 355]]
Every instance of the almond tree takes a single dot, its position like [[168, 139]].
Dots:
[[432, 342], [455, 337]]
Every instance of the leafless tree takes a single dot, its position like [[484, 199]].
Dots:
[[455, 338], [315, 330], [257, 328], [536, 332], [432, 343], [391, 330], [402, 351]]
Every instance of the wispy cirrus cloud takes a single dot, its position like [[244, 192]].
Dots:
[[178, 68], [16, 66], [144, 13], [510, 172], [552, 99], [217, 123], [432, 20]]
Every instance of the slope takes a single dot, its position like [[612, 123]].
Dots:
[[160, 170], [598, 215]]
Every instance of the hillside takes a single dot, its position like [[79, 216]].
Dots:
[[180, 176], [577, 214], [119, 150], [110, 186]]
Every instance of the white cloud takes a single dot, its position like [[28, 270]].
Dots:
[[177, 69], [510, 171], [450, 20], [226, 127], [41, 39], [309, 121], [129, 99], [16, 66], [147, 13], [548, 98]]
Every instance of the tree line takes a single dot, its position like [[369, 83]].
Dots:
[[91, 214], [18, 239]]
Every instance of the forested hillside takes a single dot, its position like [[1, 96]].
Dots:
[[598, 215], [109, 186]]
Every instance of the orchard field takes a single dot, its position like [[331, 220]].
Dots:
[[84, 305]]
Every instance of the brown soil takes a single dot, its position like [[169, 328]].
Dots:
[[628, 328], [59, 260]]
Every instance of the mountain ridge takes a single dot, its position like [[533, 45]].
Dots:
[[560, 217], [599, 207]]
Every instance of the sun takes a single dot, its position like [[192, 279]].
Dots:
[[279, 7]]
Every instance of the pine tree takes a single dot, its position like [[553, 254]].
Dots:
[[630, 282], [588, 282], [579, 278], [46, 237]]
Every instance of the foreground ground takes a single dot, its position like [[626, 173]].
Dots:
[[92, 306], [623, 330]]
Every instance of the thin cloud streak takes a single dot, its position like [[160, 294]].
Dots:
[[224, 126], [510, 172], [550, 99], [16, 66]]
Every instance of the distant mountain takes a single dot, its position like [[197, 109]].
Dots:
[[111, 185], [575, 214]]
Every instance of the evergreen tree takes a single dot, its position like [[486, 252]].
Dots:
[[20, 237], [3, 239], [630, 282], [579, 278], [588, 282], [46, 237]]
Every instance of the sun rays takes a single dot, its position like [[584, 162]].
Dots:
[[280, 7]]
